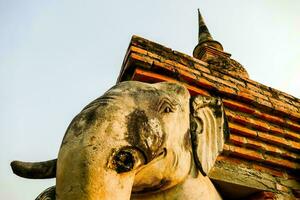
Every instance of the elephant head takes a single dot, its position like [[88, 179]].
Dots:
[[137, 139]]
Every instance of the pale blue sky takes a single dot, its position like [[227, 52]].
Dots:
[[56, 56]]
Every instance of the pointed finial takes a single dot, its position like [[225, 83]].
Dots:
[[203, 34], [211, 52], [204, 37]]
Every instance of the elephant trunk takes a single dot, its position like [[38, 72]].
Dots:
[[99, 184], [96, 173]]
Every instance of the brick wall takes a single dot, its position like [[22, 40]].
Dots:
[[264, 122]]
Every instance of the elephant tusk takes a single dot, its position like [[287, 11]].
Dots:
[[35, 170]]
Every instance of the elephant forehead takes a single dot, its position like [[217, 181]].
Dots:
[[125, 98], [160, 85], [175, 90]]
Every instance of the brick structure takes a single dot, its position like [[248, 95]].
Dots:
[[261, 156]]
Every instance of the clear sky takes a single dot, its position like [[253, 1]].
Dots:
[[56, 56]]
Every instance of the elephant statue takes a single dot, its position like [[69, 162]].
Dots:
[[137, 141]]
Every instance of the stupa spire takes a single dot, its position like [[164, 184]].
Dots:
[[211, 52], [204, 36], [203, 32]]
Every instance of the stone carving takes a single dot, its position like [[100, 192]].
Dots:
[[134, 142]]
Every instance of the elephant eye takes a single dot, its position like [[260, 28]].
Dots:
[[167, 109], [166, 106]]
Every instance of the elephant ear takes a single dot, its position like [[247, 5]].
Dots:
[[209, 130]]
